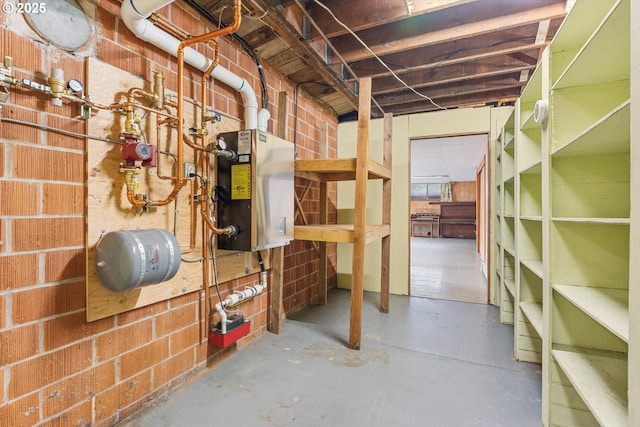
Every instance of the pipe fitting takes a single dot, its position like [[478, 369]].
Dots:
[[231, 230], [158, 89], [227, 154], [131, 179], [56, 83]]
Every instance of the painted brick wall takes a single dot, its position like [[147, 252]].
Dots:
[[55, 368]]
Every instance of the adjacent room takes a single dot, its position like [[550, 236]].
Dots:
[[319, 213], [445, 181]]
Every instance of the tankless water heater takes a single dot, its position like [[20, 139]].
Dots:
[[255, 191]]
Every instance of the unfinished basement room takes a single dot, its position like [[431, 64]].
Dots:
[[319, 213]]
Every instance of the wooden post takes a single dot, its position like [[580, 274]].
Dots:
[[323, 287], [386, 215], [276, 311], [360, 213]]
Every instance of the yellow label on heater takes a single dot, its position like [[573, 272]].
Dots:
[[241, 182]]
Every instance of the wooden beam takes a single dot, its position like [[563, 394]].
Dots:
[[323, 284], [360, 214], [283, 114], [451, 74], [376, 12], [447, 91], [463, 101], [292, 37], [276, 308], [384, 43], [323, 258], [427, 63], [385, 261]]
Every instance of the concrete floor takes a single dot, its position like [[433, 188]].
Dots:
[[426, 363], [447, 269]]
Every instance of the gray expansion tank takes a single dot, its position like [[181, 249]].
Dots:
[[131, 259]]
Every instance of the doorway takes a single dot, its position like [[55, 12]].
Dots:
[[449, 218]]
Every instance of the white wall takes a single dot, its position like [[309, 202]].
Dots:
[[405, 128]]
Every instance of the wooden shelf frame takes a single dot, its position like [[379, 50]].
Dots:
[[589, 269], [505, 219], [360, 169], [573, 227]]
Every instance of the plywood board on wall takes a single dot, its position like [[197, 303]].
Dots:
[[463, 191], [109, 210]]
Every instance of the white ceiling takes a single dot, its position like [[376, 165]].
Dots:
[[448, 159]]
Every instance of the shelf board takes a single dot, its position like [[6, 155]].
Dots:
[[609, 307], [609, 44], [533, 90], [339, 233], [533, 311], [537, 218], [577, 26], [534, 265], [328, 170], [510, 250], [509, 140], [585, 220], [601, 381], [528, 122], [534, 168], [510, 286], [613, 128]]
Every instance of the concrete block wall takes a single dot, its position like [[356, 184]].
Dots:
[[56, 368]]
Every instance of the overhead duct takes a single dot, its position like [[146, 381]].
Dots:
[[135, 13]]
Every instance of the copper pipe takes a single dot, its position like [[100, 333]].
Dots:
[[158, 167], [204, 211], [131, 196], [126, 104], [159, 21], [204, 208], [180, 54], [192, 211], [192, 144], [205, 80]]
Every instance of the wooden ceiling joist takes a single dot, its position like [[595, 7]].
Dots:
[[384, 43], [462, 53], [304, 50], [378, 12]]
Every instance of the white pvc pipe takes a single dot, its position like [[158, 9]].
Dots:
[[238, 297], [135, 13]]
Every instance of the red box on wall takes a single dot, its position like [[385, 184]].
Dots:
[[220, 340]]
